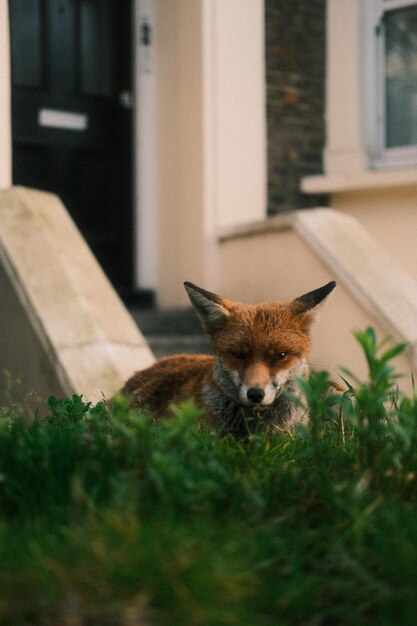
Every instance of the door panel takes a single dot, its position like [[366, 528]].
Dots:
[[95, 48], [26, 35], [70, 61]]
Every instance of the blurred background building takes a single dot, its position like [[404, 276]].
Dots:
[[93, 82], [185, 136]]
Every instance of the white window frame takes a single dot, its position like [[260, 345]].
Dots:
[[374, 88]]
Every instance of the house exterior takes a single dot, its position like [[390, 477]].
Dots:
[[209, 165], [199, 129], [370, 158], [207, 152]]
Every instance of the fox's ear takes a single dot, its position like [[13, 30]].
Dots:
[[210, 307], [310, 304]]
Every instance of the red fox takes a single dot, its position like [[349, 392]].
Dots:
[[258, 352]]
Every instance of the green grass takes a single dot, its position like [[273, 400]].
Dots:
[[107, 518]]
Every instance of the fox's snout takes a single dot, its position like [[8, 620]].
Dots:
[[257, 396], [257, 386]]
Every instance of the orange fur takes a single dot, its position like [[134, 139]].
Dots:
[[259, 350], [169, 381]]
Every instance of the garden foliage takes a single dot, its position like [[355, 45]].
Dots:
[[107, 517]]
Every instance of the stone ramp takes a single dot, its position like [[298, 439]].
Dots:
[[63, 328]]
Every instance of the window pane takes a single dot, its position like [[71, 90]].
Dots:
[[26, 42], [401, 77]]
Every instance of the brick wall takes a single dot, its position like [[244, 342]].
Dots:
[[295, 73]]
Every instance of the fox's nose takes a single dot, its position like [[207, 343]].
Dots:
[[255, 394]]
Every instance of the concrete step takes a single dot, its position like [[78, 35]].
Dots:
[[172, 331]]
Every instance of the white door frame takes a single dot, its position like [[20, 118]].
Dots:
[[145, 254]]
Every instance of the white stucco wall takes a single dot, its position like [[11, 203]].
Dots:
[[210, 159], [234, 108], [344, 149]]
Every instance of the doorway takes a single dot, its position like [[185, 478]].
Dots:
[[72, 113]]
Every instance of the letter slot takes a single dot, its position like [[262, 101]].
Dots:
[[67, 120]]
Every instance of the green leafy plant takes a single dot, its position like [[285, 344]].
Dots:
[[109, 517], [374, 410]]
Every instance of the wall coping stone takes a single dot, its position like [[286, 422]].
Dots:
[[82, 326]]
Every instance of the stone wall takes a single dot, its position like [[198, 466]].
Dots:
[[291, 254], [64, 330], [295, 75]]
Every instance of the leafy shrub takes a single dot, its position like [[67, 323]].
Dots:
[[107, 517]]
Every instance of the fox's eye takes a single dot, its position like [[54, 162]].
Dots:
[[279, 356], [239, 356]]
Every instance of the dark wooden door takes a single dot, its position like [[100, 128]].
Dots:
[[72, 116]]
